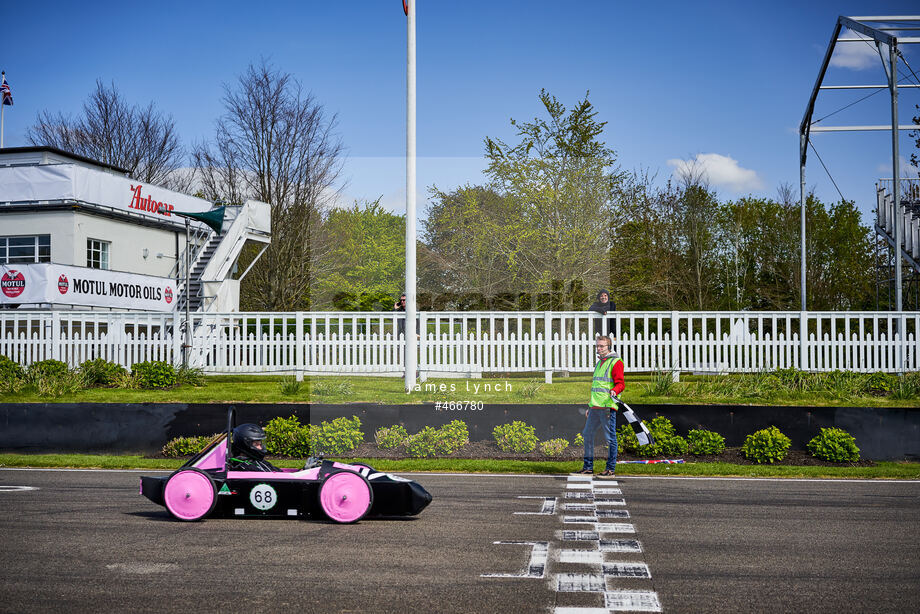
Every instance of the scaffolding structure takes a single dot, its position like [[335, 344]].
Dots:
[[895, 211]]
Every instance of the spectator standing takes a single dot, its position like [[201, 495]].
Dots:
[[602, 306]]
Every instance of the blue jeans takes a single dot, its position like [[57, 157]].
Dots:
[[608, 420]]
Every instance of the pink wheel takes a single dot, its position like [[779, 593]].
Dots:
[[190, 494], [345, 496]]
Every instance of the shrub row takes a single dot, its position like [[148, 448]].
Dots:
[[53, 378], [288, 437]]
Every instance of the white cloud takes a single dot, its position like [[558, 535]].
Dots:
[[905, 169], [855, 56], [720, 171]]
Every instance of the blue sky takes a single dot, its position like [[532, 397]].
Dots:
[[674, 80]]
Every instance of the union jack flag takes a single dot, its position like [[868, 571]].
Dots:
[[5, 90]]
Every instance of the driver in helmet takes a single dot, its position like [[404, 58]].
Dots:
[[247, 450]]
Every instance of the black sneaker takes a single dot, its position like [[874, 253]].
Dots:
[[585, 471], [607, 473]]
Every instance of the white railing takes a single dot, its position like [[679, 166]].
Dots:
[[473, 342]]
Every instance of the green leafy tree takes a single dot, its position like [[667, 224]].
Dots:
[[364, 268], [541, 225]]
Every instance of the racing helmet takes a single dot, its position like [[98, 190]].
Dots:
[[249, 439]]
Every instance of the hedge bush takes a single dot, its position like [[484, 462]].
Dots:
[[553, 447], [154, 374], [389, 437], [437, 442], [705, 442], [515, 437], [186, 446], [101, 372], [287, 437], [767, 445], [47, 368], [834, 445], [456, 435], [12, 375], [336, 437], [427, 442], [667, 441]]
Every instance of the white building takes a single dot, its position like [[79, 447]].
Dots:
[[77, 234]]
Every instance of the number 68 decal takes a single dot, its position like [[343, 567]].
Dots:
[[263, 497]]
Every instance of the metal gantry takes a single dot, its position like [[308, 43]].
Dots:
[[887, 33]]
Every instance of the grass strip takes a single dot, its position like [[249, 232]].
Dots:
[[881, 470], [528, 388]]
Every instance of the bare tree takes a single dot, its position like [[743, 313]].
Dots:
[[142, 140], [274, 143]]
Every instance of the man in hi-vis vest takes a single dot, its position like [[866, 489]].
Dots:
[[606, 385]]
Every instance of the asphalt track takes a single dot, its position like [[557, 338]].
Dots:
[[87, 542]]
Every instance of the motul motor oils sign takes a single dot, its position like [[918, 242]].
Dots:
[[69, 285]]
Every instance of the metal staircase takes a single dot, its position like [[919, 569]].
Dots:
[[215, 256], [194, 295]]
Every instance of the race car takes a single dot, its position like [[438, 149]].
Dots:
[[212, 483]]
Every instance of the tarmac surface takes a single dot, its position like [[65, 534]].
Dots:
[[85, 541]]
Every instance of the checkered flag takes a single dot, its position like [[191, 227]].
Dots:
[[642, 434]]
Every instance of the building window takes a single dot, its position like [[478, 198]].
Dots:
[[25, 250], [97, 254]]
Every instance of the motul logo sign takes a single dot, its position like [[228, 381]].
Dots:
[[149, 204], [13, 283]]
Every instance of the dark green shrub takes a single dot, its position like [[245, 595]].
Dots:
[[186, 446], [881, 383], [10, 368], [515, 437], [12, 375], [553, 447], [47, 368], [389, 437], [705, 442], [287, 437], [336, 437], [834, 445], [154, 374], [101, 372], [767, 445]]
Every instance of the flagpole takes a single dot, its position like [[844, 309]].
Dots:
[[411, 360], [2, 109]]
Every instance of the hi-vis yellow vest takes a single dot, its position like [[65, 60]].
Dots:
[[602, 383]]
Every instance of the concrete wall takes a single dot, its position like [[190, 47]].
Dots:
[[881, 433]]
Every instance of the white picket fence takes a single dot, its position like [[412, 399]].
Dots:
[[473, 342]]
